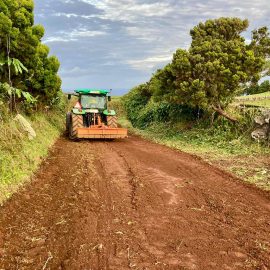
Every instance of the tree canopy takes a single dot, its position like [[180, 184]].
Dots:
[[216, 66], [21, 39]]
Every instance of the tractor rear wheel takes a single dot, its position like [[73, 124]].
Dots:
[[68, 120], [75, 123], [112, 121]]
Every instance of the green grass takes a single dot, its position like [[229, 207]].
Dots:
[[116, 98], [258, 103], [235, 153], [245, 100], [261, 95], [20, 157]]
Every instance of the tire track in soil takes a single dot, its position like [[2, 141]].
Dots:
[[133, 204], [132, 180], [126, 217]]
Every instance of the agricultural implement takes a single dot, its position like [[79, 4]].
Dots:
[[90, 118]]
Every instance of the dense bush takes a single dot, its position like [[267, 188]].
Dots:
[[135, 101], [258, 88], [142, 110]]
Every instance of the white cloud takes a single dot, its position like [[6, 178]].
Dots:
[[57, 39], [74, 35], [83, 32], [74, 70], [146, 34], [149, 63], [129, 10], [67, 1], [67, 15], [74, 15], [138, 36]]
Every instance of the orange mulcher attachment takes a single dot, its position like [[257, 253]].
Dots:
[[102, 133]]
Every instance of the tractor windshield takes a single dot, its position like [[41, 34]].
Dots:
[[93, 102]]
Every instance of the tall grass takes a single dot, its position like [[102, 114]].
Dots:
[[20, 157]]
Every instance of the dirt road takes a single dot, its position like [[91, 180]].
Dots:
[[133, 204]]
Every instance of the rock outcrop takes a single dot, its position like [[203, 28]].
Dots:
[[262, 131]]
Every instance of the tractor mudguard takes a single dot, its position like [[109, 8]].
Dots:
[[77, 111], [109, 112]]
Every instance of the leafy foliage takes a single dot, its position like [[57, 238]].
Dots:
[[143, 111], [18, 65], [15, 63], [266, 71], [218, 62], [135, 101], [257, 89], [6, 91], [26, 51], [208, 75]]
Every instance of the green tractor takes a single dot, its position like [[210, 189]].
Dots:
[[90, 118]]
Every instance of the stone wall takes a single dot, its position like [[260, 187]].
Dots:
[[262, 126]]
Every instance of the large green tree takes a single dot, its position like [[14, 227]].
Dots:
[[216, 66], [21, 39]]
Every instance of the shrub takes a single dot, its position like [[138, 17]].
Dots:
[[135, 101]]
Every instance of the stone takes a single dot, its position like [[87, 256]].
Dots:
[[26, 126], [260, 133], [262, 126], [260, 120]]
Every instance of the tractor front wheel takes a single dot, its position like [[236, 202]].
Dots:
[[112, 121], [75, 123]]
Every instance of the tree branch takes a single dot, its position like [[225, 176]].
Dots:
[[224, 114]]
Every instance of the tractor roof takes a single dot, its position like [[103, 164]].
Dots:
[[92, 91]]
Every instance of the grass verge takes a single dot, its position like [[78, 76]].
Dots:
[[257, 100], [20, 157], [246, 159], [265, 103], [261, 95]]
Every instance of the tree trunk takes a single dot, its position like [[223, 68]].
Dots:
[[12, 99], [224, 114]]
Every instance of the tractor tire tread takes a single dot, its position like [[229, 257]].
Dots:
[[76, 122], [112, 121]]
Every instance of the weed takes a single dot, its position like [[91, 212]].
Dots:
[[263, 246], [19, 157]]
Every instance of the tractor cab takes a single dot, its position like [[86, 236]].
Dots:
[[93, 99]]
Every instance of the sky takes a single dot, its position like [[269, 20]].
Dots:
[[118, 44]]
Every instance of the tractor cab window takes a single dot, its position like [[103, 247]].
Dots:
[[93, 102]]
